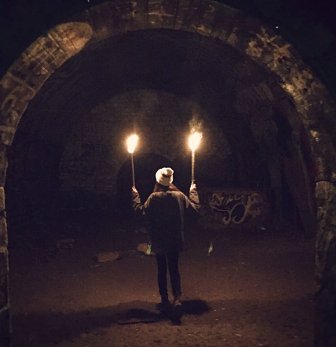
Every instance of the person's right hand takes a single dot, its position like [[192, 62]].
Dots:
[[193, 186], [134, 190]]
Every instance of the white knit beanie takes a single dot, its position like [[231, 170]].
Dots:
[[164, 176]]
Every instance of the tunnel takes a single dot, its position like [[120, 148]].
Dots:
[[265, 173]]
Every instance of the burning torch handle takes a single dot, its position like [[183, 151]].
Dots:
[[192, 167], [133, 174]]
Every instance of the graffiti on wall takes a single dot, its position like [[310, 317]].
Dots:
[[236, 208]]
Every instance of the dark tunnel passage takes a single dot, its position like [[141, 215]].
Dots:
[[69, 179], [68, 152]]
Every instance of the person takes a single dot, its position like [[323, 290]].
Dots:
[[165, 211]]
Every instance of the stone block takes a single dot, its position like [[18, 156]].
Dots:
[[225, 23], [112, 18], [98, 18], [44, 55], [3, 232], [201, 18], [161, 13], [14, 98], [140, 15], [3, 165], [71, 37], [31, 66], [2, 198]]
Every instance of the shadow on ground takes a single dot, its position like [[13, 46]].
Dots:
[[47, 328]]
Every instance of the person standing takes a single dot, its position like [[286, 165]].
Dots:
[[165, 211]]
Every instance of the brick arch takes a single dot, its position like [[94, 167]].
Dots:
[[37, 63], [28, 73]]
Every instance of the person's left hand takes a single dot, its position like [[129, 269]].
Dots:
[[134, 190]]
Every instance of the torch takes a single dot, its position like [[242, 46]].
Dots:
[[132, 142], [194, 141]]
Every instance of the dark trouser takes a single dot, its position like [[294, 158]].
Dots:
[[170, 261]]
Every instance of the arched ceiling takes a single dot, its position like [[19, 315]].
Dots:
[[308, 24], [181, 63], [239, 74], [160, 80]]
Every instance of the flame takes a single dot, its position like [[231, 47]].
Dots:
[[195, 140], [132, 142]]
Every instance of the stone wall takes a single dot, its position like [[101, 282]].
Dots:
[[19, 85]]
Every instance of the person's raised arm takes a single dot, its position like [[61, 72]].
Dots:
[[193, 194], [193, 200], [136, 201], [138, 207]]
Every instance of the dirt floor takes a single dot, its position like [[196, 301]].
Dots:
[[255, 289]]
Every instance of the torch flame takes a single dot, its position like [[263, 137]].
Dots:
[[132, 142], [194, 140]]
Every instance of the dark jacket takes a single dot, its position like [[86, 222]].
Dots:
[[165, 214]]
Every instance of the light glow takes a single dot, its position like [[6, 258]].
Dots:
[[194, 140], [132, 142]]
